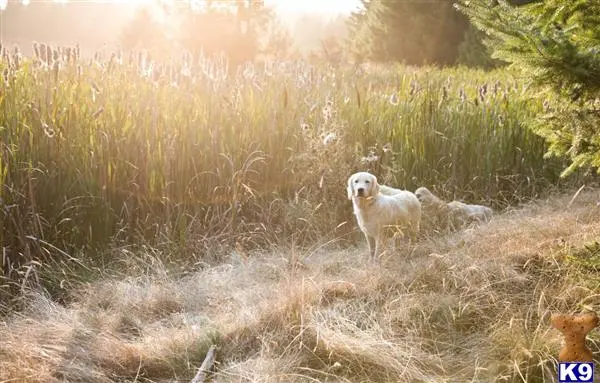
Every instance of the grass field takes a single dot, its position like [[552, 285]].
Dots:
[[150, 210], [469, 306], [120, 149]]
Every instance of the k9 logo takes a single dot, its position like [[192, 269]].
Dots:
[[576, 372]]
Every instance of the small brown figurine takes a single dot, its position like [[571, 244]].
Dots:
[[574, 329]]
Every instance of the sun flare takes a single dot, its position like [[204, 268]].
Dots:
[[284, 6], [314, 6]]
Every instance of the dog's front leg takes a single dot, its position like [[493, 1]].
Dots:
[[371, 243], [380, 247]]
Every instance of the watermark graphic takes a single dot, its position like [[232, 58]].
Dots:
[[574, 372], [575, 359]]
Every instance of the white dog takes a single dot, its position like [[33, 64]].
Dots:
[[469, 213], [378, 208], [431, 201], [457, 212]]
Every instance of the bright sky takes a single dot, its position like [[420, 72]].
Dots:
[[327, 7], [314, 6]]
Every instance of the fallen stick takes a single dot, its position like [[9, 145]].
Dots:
[[209, 360], [575, 196]]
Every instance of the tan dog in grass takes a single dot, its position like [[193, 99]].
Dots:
[[380, 209], [456, 212]]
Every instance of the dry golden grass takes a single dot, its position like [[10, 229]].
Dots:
[[468, 306]]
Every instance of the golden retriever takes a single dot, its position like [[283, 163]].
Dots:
[[455, 212], [379, 208]]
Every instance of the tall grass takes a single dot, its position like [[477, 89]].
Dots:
[[472, 306], [109, 148]]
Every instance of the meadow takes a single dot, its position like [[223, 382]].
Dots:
[[150, 209]]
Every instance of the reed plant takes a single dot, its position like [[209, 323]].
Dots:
[[116, 148]]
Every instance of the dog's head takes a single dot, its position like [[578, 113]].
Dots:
[[424, 195], [362, 185]]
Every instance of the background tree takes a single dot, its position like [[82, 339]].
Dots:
[[143, 32], [415, 32], [472, 52], [278, 43], [556, 46], [231, 27]]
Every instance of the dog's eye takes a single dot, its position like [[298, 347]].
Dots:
[[367, 181], [355, 181]]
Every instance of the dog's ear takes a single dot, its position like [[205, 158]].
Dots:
[[349, 189], [375, 187]]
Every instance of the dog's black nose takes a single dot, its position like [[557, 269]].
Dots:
[[360, 191]]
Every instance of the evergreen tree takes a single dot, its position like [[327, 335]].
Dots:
[[472, 52], [416, 32], [556, 45], [359, 41]]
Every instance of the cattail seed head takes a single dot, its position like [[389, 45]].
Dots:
[[482, 92], [36, 50], [496, 88], [16, 62], [111, 63], [69, 55], [6, 77], [17, 57], [49, 55], [56, 70], [414, 88], [8, 59], [42, 53]]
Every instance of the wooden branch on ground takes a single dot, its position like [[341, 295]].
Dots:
[[209, 360]]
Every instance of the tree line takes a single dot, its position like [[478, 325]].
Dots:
[[555, 44], [415, 32]]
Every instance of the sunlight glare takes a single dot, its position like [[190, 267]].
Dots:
[[330, 7], [316, 6]]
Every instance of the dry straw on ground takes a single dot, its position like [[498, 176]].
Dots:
[[469, 306]]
